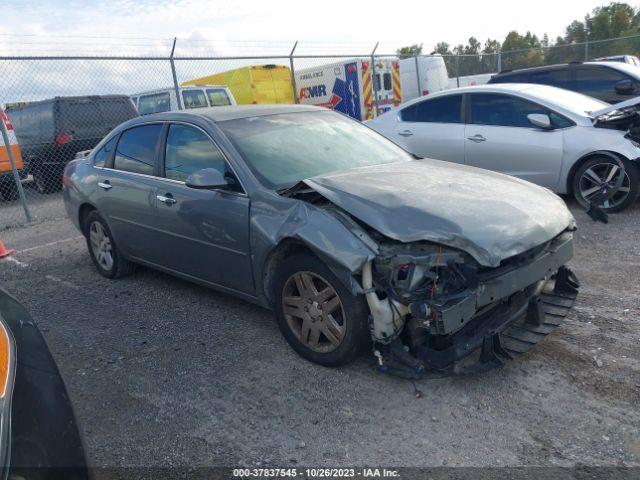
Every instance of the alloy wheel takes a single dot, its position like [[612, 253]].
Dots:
[[101, 245], [313, 311], [600, 179]]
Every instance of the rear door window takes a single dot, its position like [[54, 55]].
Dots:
[[194, 99], [556, 78], [83, 115], [502, 110], [188, 150], [136, 150], [218, 97], [102, 156], [376, 82], [445, 109], [154, 103], [386, 80], [115, 111]]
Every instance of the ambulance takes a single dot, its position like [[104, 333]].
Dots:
[[351, 86], [8, 187]]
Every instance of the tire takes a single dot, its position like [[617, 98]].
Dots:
[[584, 181], [341, 334], [47, 180], [102, 248]]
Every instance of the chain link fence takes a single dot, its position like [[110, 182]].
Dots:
[[60, 106]]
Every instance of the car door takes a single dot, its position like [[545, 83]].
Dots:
[[499, 137], [205, 233], [432, 128], [127, 190], [600, 82]]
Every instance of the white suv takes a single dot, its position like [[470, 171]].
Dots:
[[562, 140]]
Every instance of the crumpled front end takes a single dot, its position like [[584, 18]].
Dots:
[[437, 294], [432, 306]]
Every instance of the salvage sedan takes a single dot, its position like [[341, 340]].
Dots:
[[352, 241]]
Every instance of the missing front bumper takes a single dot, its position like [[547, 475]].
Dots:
[[507, 331]]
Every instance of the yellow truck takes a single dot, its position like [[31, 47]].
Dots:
[[263, 84]]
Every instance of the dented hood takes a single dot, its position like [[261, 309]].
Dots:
[[489, 215], [631, 103]]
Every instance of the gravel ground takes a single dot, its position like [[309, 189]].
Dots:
[[166, 373], [42, 207]]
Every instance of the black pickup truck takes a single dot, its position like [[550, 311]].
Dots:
[[51, 132]]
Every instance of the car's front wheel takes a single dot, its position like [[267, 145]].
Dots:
[[103, 249], [600, 174], [320, 318]]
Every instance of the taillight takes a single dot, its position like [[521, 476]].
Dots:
[[5, 360], [65, 179], [425, 92], [6, 121], [62, 139]]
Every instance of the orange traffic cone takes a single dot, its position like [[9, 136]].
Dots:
[[3, 251]]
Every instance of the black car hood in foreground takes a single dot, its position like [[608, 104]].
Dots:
[[489, 215], [46, 443]]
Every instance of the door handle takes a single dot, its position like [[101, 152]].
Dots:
[[166, 199], [106, 185], [405, 133], [477, 138]]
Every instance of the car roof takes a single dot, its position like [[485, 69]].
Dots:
[[530, 88], [233, 112], [173, 89], [625, 67], [565, 101]]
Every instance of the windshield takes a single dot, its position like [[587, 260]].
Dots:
[[285, 148], [571, 101]]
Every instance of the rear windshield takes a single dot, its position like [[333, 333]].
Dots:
[[283, 149], [218, 97], [571, 101], [194, 99], [154, 103]]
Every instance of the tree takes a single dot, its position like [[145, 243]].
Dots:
[[442, 48], [410, 51], [614, 20], [618, 19], [519, 51], [575, 32]]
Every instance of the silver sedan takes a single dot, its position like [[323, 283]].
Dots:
[[562, 140]]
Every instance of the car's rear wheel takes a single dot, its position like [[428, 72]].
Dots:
[[601, 174], [103, 249], [322, 321]]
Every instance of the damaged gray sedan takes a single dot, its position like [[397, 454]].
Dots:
[[352, 241]]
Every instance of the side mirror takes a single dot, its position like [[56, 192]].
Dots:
[[624, 87], [207, 179], [540, 120]]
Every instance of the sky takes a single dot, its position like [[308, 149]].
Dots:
[[240, 28], [236, 27]]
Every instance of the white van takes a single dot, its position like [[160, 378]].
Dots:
[[200, 96], [432, 73]]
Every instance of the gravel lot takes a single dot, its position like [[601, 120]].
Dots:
[[166, 373]]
